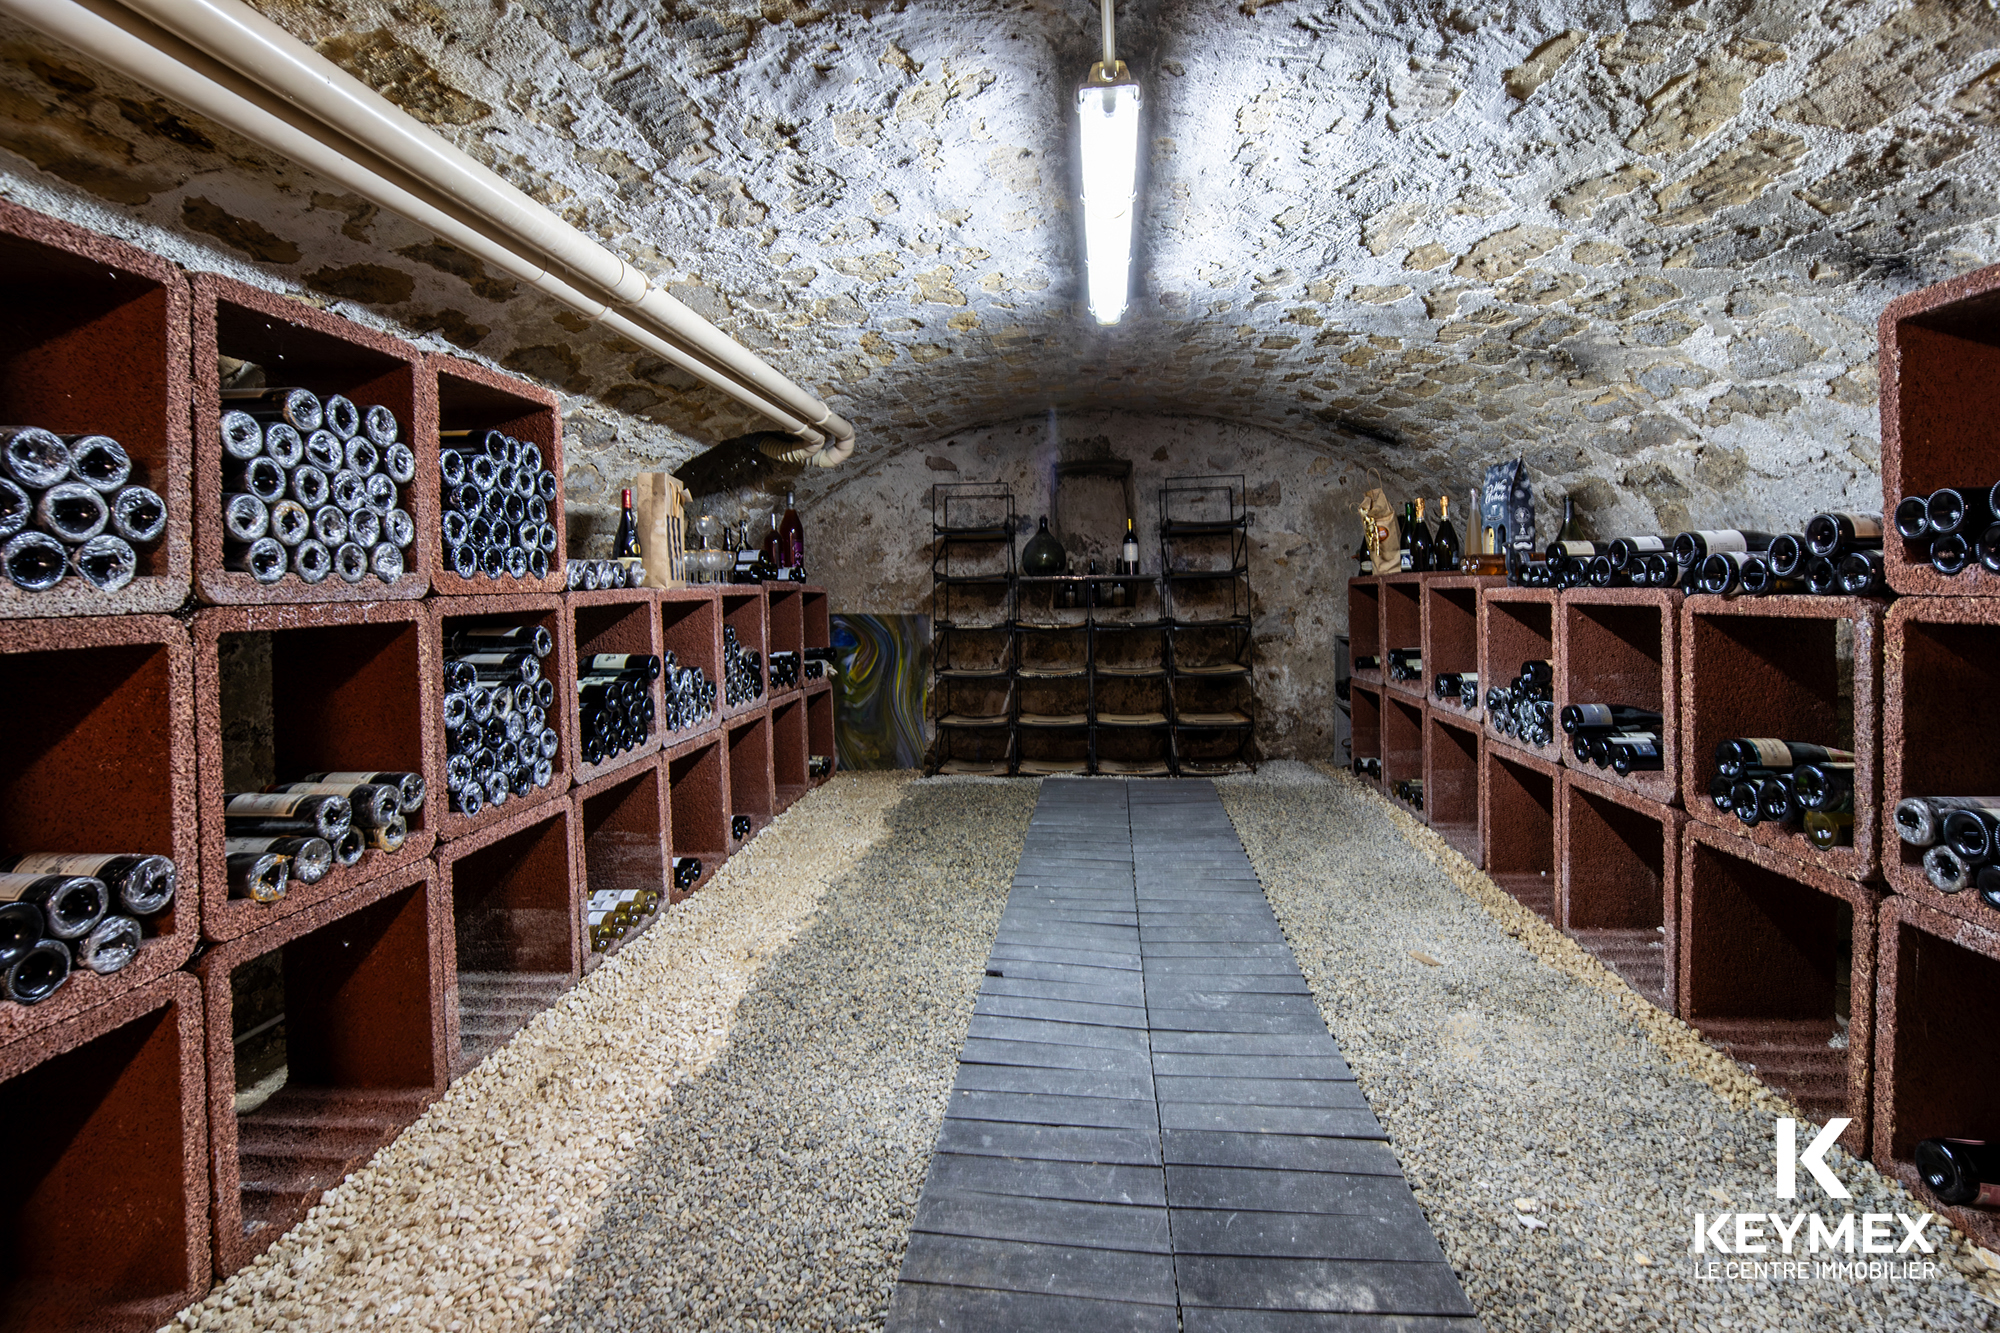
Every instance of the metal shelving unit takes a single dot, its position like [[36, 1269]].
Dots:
[[973, 657], [1205, 564]]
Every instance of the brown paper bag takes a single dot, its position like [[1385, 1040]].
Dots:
[[659, 504], [1384, 537]]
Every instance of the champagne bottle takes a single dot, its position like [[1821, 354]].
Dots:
[[1406, 555], [1961, 1171], [1423, 550], [321, 813], [262, 877], [1735, 755], [409, 786], [1827, 534], [1445, 548], [36, 974], [138, 883], [71, 905], [1826, 831], [21, 925], [1920, 819], [311, 858], [626, 544], [111, 945]]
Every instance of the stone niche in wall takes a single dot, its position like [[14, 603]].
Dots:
[[1090, 499]]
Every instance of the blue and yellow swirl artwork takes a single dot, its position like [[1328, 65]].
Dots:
[[883, 690]]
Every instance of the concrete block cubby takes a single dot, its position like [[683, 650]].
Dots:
[[105, 1200], [1364, 627], [1777, 967], [1936, 1044], [698, 798], [100, 757], [1402, 744], [1516, 625], [789, 748], [1618, 858], [1451, 780], [616, 620], [817, 613], [96, 343], [624, 842], [691, 629], [820, 740], [1940, 395], [1403, 627], [465, 396], [743, 610], [1365, 705], [1517, 824], [300, 346], [1790, 668], [514, 927], [1451, 634], [785, 624], [1940, 710], [283, 691], [326, 1038], [446, 616], [1617, 646], [752, 790]]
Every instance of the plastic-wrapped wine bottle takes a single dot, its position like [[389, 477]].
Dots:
[[140, 884], [71, 904], [310, 858], [111, 946], [261, 877], [275, 812]]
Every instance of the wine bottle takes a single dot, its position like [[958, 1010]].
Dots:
[[71, 904], [1607, 717], [21, 924], [111, 945], [1862, 574], [36, 974], [301, 408], [1828, 534], [1970, 833], [1951, 509], [1961, 1171], [1988, 881], [1445, 549], [1739, 753], [1746, 800], [1988, 548], [1824, 786], [1719, 789], [625, 545], [687, 869], [1422, 548], [534, 639], [328, 815], [1913, 518], [262, 877], [1624, 550], [370, 805], [1759, 580], [138, 883], [1787, 556], [1826, 830], [1946, 870], [35, 561], [1691, 548], [1721, 571], [740, 826], [1779, 799], [504, 667], [388, 836], [1361, 557], [311, 858], [614, 664], [1367, 662], [1538, 672], [36, 458], [1128, 550], [1822, 575], [1950, 554], [1636, 754], [409, 786]]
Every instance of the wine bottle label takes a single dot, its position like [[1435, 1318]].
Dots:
[[509, 659], [274, 803], [64, 863], [1575, 549], [13, 888], [1635, 738], [1865, 525], [1646, 545], [345, 780], [1725, 539]]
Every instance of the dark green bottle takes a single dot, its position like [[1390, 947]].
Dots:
[[1043, 554]]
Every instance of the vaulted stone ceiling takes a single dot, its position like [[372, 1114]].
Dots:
[[1643, 240]]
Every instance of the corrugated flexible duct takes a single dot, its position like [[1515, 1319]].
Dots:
[[229, 64]]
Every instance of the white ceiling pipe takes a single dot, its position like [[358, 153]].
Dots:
[[127, 42]]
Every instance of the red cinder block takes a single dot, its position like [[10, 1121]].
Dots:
[[1936, 1045], [1771, 666], [1403, 627], [1364, 627], [1771, 950], [105, 1196], [743, 610], [364, 991], [785, 624], [624, 842], [1939, 712], [1940, 368], [1365, 705], [512, 919], [1451, 780], [301, 346], [1617, 646], [1402, 744], [819, 727], [616, 620], [1451, 634], [1517, 824], [1618, 859], [817, 615], [444, 616], [97, 343], [691, 629], [752, 791], [698, 796], [788, 752], [1516, 625], [100, 757], [462, 395], [354, 688]]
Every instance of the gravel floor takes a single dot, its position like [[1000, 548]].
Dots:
[[1518, 1077], [777, 1190]]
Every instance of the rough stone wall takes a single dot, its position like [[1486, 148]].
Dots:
[[1641, 242], [868, 533]]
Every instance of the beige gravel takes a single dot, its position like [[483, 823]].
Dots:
[[471, 1218]]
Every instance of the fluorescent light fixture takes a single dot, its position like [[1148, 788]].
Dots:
[[1108, 108]]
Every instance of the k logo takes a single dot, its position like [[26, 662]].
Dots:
[[1813, 1158]]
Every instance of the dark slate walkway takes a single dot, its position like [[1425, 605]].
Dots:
[[1152, 1128]]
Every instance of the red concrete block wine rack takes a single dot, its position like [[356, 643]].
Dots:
[[788, 752], [100, 757], [785, 626], [446, 616], [752, 789], [820, 738], [691, 629], [1791, 668], [1940, 395], [743, 610], [1516, 625], [515, 924], [96, 342], [818, 616], [616, 620], [1517, 824], [465, 396], [1617, 646], [285, 690], [326, 1038], [698, 797], [105, 1202], [1365, 705], [1451, 635], [1364, 627], [1402, 744], [1618, 858], [1403, 628], [1777, 966], [624, 842], [300, 346], [1451, 780], [1936, 1045], [1939, 713]]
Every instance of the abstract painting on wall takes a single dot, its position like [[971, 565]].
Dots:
[[882, 690]]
